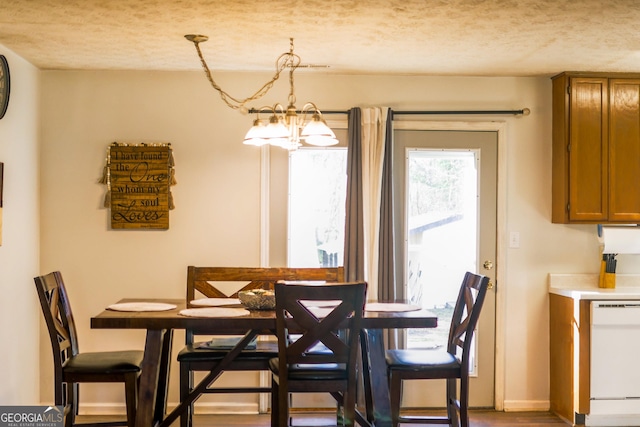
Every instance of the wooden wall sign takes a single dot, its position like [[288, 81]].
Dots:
[[139, 179]]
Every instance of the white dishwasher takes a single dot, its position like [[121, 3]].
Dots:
[[615, 364]]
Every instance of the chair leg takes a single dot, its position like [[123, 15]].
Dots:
[[69, 420], [275, 405], [60, 396], [71, 402], [395, 392], [452, 404], [464, 402], [131, 396], [289, 406], [349, 409], [186, 384], [279, 405], [283, 407], [76, 398]]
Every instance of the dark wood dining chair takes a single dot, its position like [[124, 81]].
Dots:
[[72, 367], [300, 367], [226, 282], [451, 364]]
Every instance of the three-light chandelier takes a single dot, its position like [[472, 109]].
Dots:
[[286, 127]]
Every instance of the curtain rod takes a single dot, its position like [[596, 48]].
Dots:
[[522, 112]]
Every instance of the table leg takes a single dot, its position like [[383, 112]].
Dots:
[[149, 378], [374, 366], [163, 376]]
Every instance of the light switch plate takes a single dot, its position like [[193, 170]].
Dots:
[[514, 239]]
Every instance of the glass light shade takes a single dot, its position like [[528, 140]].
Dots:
[[285, 130], [258, 142], [256, 135], [276, 133], [318, 133], [321, 141], [276, 129]]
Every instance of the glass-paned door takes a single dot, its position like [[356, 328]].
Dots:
[[446, 186]]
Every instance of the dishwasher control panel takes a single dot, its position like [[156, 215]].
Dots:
[[615, 312]]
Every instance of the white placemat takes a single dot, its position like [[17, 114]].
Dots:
[[141, 306], [321, 312], [322, 303], [214, 302], [214, 312], [390, 306]]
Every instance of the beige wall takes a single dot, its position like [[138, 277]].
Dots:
[[217, 215], [19, 309]]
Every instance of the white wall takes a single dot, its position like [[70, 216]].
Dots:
[[19, 309], [216, 220]]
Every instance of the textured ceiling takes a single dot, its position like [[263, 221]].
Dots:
[[429, 37]]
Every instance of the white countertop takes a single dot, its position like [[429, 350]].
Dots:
[[585, 286]]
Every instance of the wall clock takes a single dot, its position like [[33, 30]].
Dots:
[[5, 85]]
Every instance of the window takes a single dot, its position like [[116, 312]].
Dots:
[[317, 194], [441, 234]]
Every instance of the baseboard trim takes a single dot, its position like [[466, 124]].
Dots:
[[102, 409], [212, 408], [526, 405]]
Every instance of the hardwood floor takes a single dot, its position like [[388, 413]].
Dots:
[[478, 418]]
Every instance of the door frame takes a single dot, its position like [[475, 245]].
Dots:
[[500, 127], [501, 229]]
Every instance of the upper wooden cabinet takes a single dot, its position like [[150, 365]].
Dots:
[[596, 148]]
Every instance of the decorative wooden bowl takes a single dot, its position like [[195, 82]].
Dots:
[[258, 299]]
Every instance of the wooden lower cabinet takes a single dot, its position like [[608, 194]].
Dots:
[[569, 343]]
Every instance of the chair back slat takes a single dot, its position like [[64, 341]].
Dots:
[[203, 279], [70, 368], [432, 364], [318, 328], [466, 314], [58, 317], [336, 328], [209, 281]]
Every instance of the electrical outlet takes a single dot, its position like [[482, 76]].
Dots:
[[514, 239]]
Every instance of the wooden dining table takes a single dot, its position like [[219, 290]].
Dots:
[[154, 380]]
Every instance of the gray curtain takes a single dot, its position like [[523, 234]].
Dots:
[[387, 258], [354, 262], [354, 231]]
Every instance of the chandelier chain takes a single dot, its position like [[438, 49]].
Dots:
[[285, 128], [294, 62], [288, 59]]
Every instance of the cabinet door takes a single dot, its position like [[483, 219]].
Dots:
[[588, 149], [624, 150]]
